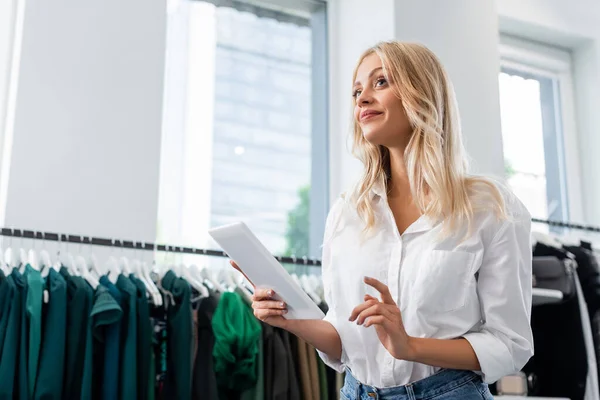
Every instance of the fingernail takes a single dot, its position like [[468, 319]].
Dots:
[[285, 311], [270, 293], [281, 304]]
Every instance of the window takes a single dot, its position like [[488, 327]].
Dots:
[[244, 123], [537, 127]]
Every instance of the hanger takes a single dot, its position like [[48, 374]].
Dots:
[[310, 289], [206, 274], [124, 265], [85, 272], [225, 276], [8, 259], [544, 238], [32, 259], [3, 265], [243, 285], [112, 269], [46, 263], [154, 291], [195, 283]]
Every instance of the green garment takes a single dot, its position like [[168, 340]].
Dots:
[[5, 303], [178, 383], [106, 313], [144, 338], [322, 377], [108, 331], [128, 348], [11, 311], [35, 292], [258, 391], [49, 382], [22, 389], [236, 349], [78, 349]]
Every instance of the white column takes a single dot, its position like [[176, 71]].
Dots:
[[354, 26], [86, 148], [464, 35]]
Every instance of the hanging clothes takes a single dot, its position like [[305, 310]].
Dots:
[[79, 307], [110, 342], [293, 389], [11, 312], [235, 353], [128, 339], [178, 384], [107, 315], [144, 340], [49, 380], [34, 320], [204, 385]]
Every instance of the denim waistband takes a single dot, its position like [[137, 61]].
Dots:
[[436, 384]]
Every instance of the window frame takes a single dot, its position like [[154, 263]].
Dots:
[[314, 13], [537, 59]]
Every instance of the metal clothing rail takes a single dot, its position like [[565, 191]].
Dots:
[[137, 245], [569, 225]]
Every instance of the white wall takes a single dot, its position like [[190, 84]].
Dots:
[[355, 26], [464, 35], [86, 150], [572, 25], [10, 24]]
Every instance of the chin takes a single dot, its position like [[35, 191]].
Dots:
[[374, 137]]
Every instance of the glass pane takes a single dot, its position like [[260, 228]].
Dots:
[[530, 138], [237, 127]]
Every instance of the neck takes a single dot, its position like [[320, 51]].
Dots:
[[399, 184]]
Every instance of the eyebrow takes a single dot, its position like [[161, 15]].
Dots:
[[370, 75]]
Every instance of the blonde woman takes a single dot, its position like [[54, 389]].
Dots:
[[426, 269]]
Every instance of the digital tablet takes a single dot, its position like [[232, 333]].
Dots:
[[259, 265]]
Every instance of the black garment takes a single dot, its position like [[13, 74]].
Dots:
[[158, 320], [204, 381], [560, 360], [330, 373], [178, 384], [144, 333], [79, 305], [589, 277], [293, 392], [275, 363]]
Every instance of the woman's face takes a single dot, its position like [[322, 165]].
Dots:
[[377, 110]]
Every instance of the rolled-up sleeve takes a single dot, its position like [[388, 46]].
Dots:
[[333, 220], [504, 342]]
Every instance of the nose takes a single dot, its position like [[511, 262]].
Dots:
[[365, 97]]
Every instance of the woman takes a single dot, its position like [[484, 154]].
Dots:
[[426, 269]]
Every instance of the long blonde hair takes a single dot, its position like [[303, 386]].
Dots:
[[435, 158]]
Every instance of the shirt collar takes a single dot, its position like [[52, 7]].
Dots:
[[422, 224]]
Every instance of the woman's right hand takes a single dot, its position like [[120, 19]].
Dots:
[[266, 308]]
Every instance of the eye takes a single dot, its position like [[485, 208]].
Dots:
[[380, 82], [356, 93]]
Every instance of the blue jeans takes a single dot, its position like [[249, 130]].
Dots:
[[447, 384]]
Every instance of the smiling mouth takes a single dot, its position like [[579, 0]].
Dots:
[[370, 116]]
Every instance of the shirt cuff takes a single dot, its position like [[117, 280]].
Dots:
[[335, 364], [494, 357]]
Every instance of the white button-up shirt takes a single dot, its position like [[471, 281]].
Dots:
[[478, 289]]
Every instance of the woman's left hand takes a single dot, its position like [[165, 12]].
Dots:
[[387, 319]]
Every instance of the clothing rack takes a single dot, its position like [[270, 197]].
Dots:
[[569, 225], [136, 245], [149, 246]]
